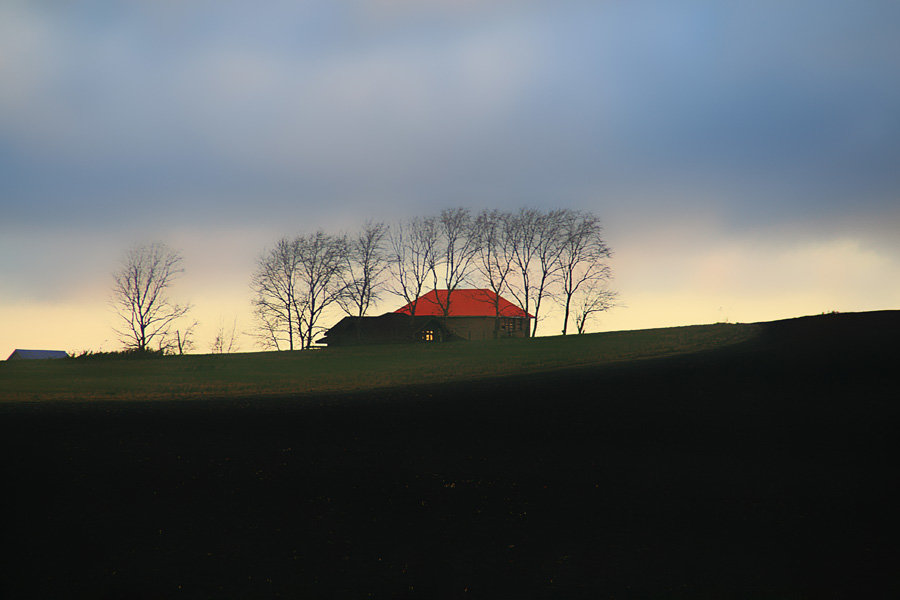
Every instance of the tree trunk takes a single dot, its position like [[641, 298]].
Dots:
[[566, 315]]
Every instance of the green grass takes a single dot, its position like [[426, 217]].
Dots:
[[264, 374]]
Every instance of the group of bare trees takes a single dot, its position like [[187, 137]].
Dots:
[[295, 282], [530, 255]]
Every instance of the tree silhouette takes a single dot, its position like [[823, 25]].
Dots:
[[582, 260], [140, 296]]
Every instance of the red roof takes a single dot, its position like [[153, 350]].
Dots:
[[464, 303]]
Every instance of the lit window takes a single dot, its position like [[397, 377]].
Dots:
[[427, 335]]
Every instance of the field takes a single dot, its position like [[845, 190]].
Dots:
[[753, 463], [279, 374]]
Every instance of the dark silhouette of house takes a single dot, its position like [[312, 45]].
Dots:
[[36, 354], [389, 328], [471, 314]]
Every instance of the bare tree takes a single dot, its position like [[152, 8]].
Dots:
[[364, 266], [523, 233], [140, 295], [184, 340], [456, 249], [274, 285], [494, 241], [547, 242], [582, 259], [322, 260], [594, 298], [412, 247], [225, 341], [268, 331]]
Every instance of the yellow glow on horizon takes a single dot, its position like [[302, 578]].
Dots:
[[734, 281]]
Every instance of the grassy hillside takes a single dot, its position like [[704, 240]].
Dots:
[[762, 470], [343, 369]]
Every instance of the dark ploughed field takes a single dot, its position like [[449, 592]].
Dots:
[[764, 469]]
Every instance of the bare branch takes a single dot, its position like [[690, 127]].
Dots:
[[273, 284], [320, 273], [140, 296], [582, 258], [593, 299], [225, 341], [412, 246], [455, 252], [364, 268], [494, 240], [547, 242]]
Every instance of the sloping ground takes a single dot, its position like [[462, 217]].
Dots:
[[762, 470], [292, 374]]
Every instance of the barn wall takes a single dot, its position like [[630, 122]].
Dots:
[[386, 329], [484, 328]]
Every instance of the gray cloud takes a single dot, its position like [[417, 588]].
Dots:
[[144, 118], [319, 102]]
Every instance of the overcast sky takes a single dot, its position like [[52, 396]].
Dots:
[[743, 156]]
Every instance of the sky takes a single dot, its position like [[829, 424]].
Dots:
[[743, 157]]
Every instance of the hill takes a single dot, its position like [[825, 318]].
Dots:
[[764, 468], [293, 374]]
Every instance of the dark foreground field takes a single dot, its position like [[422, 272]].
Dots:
[[763, 469]]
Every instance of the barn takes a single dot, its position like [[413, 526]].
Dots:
[[36, 354], [471, 314]]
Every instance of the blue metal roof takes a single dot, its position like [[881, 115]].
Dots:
[[36, 354]]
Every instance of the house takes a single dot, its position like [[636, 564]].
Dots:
[[471, 314], [389, 328], [37, 354]]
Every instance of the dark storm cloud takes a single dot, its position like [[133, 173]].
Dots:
[[114, 113]]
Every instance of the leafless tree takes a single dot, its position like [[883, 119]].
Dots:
[[594, 298], [364, 266], [268, 331], [274, 286], [523, 231], [322, 260], [531, 255], [294, 283], [184, 339], [456, 249], [225, 341], [582, 259], [494, 243], [412, 248], [140, 295], [547, 242]]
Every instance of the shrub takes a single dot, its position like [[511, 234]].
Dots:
[[129, 353]]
